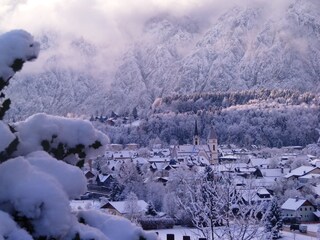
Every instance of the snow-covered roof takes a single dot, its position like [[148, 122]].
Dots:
[[228, 167], [122, 154], [161, 178], [229, 157], [274, 172], [120, 206], [247, 169], [103, 178], [189, 149], [317, 213], [316, 189], [159, 160], [262, 191], [260, 161], [226, 151], [112, 164], [252, 194], [300, 171], [315, 162], [140, 160], [293, 204], [164, 151], [264, 182], [310, 176]]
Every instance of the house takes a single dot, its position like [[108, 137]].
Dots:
[[309, 177], [260, 162], [162, 180], [274, 173], [229, 158], [302, 208], [248, 172], [161, 152], [257, 195], [105, 180], [302, 171], [315, 162], [120, 208]]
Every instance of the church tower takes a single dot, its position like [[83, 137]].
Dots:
[[213, 146], [196, 138]]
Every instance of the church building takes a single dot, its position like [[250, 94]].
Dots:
[[201, 153]]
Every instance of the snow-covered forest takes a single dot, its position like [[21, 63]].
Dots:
[[273, 118]]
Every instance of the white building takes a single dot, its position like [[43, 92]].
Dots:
[[302, 208]]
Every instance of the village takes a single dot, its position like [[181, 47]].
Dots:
[[257, 174]]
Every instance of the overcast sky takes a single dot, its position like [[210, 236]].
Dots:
[[101, 19]]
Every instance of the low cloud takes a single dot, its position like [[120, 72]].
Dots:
[[107, 23]]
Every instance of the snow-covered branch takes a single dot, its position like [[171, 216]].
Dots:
[[35, 188]]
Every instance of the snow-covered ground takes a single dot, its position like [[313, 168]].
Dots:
[[179, 232], [313, 227], [296, 236], [195, 234]]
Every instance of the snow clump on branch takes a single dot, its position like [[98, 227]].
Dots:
[[70, 132], [16, 47]]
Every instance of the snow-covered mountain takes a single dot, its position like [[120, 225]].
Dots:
[[244, 48]]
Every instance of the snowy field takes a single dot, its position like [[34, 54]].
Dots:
[[195, 234]]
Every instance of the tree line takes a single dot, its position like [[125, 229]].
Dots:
[[271, 126]]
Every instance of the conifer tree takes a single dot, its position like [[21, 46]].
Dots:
[[273, 220], [151, 211]]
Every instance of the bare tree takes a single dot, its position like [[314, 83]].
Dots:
[[132, 207], [220, 209]]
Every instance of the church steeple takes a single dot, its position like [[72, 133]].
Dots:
[[213, 145], [196, 138], [196, 129]]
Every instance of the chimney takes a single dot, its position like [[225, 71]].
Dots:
[[297, 198]]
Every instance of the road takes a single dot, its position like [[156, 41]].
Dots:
[[309, 234]]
